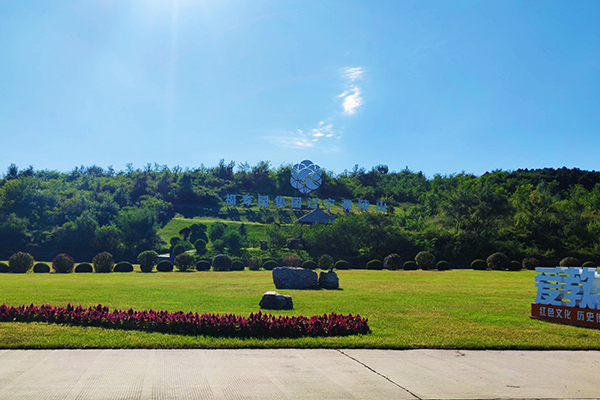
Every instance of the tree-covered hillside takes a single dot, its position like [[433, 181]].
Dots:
[[545, 213]]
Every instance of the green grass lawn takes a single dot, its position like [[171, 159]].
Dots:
[[418, 309]]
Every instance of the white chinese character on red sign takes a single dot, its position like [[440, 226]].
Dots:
[[279, 201], [246, 199], [231, 199], [296, 202], [263, 201]]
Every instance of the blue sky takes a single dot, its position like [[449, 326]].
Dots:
[[435, 86]]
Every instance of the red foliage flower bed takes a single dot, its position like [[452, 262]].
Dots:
[[229, 325]]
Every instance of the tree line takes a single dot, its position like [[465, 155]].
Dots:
[[546, 213]]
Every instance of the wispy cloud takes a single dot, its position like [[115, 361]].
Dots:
[[352, 94]]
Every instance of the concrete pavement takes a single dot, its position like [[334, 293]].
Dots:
[[298, 374]]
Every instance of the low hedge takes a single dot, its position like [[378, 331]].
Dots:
[[375, 265], [4, 268], [237, 265], [269, 265], [257, 325], [515, 266], [479, 265], [410, 266], [202, 265], [164, 266], [41, 268], [342, 264], [442, 265], [123, 266], [84, 268], [309, 264]]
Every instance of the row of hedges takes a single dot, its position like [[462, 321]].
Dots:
[[256, 325], [500, 262]]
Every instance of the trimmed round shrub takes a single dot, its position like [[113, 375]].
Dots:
[[221, 262], [569, 262], [20, 262], [325, 261], [498, 261], [254, 263], [200, 246], [177, 250], [84, 268], [479, 265], [103, 262], [530, 263], [442, 265], [63, 263], [41, 268], [291, 261], [164, 266], [185, 261], [269, 265], [425, 260], [237, 265], [410, 266], [123, 266], [202, 265], [589, 264], [4, 268], [393, 262], [147, 259], [342, 264], [515, 266], [309, 264], [219, 244], [375, 265]]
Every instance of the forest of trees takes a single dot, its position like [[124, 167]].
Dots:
[[546, 213]]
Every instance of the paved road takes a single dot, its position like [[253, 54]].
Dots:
[[298, 374]]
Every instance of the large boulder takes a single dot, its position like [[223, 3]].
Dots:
[[274, 301], [329, 280], [295, 278]]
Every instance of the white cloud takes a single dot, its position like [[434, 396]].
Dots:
[[354, 73], [352, 100]]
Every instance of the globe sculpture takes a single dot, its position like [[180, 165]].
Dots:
[[306, 176]]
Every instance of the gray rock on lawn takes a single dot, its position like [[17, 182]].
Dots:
[[295, 278], [329, 280], [274, 301]]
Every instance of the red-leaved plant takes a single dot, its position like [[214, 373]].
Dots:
[[255, 325]]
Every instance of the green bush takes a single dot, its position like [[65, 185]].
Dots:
[[479, 265], [185, 261], [200, 246], [589, 264], [342, 264], [177, 250], [84, 268], [103, 262], [237, 265], [570, 262], [498, 261], [41, 268], [123, 266], [291, 261], [63, 263], [147, 260], [515, 266], [4, 268], [410, 266], [221, 262], [442, 265], [174, 241], [393, 262], [530, 263], [164, 266], [325, 261], [219, 245], [254, 263], [375, 265], [216, 231], [269, 265], [425, 260], [309, 264], [203, 265], [20, 262]]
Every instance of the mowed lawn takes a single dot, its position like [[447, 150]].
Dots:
[[459, 309]]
